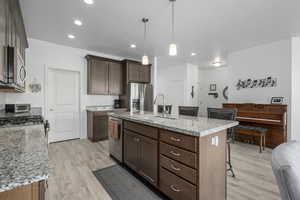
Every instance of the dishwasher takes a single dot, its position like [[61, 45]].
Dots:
[[115, 136]]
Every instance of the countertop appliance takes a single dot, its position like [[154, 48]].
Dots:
[[115, 136], [17, 108], [117, 103]]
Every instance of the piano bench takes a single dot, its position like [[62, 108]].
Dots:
[[254, 131]]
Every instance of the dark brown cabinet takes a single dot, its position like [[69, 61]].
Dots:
[[97, 126], [115, 78], [97, 77], [104, 76], [131, 150], [141, 155], [97, 123], [148, 159], [3, 42], [137, 73], [133, 71]]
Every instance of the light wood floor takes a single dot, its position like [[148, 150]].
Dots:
[[72, 163]]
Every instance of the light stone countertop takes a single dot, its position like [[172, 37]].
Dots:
[[194, 126], [23, 156], [102, 108]]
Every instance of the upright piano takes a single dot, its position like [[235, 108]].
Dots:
[[273, 117]]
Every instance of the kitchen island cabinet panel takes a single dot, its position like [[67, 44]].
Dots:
[[175, 187], [131, 150], [189, 160], [148, 159], [180, 155]]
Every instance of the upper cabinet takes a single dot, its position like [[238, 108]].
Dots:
[[13, 42], [104, 76], [136, 72], [110, 77], [115, 78], [2, 38]]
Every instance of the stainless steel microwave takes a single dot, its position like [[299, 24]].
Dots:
[[17, 108], [16, 72]]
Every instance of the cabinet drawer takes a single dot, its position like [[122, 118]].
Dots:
[[183, 156], [179, 140], [176, 188], [142, 129], [179, 169]]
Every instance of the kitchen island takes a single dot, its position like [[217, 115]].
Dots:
[[183, 157], [24, 162]]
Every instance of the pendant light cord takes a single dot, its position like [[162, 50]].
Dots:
[[145, 32], [173, 21]]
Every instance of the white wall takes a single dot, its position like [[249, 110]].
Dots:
[[171, 83], [295, 103], [218, 76], [258, 62], [175, 82], [192, 79], [42, 55]]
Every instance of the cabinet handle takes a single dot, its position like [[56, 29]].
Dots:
[[175, 168], [175, 139], [148, 177], [175, 154], [137, 139], [174, 188]]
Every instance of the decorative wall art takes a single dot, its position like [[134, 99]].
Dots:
[[256, 83], [225, 93], [192, 92], [212, 87]]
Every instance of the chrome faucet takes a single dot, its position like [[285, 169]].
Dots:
[[156, 99]]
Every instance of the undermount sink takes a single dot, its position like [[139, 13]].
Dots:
[[165, 117]]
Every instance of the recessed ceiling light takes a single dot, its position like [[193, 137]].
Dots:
[[133, 46], [193, 54], [71, 36], [78, 22], [89, 2]]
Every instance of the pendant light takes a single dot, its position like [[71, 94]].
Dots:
[[172, 47], [145, 59]]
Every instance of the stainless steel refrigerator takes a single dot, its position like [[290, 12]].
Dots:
[[139, 97]]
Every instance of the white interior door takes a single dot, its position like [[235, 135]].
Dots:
[[63, 105]]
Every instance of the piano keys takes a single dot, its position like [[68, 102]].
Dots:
[[273, 117]]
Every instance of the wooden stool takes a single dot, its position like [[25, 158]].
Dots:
[[254, 131]]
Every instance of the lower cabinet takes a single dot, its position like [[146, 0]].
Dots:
[[148, 159], [34, 191], [131, 150], [141, 155]]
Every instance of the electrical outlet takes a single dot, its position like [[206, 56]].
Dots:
[[215, 140]]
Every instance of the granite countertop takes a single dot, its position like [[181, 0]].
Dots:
[[195, 126], [35, 111], [23, 156], [102, 108]]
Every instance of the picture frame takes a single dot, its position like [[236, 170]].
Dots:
[[213, 87], [277, 100]]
